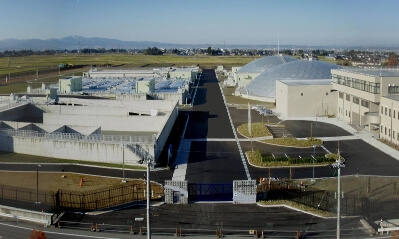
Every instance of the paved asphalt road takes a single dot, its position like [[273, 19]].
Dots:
[[212, 161]]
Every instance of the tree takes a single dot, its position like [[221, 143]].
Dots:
[[393, 60], [209, 51]]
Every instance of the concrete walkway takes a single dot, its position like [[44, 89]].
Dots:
[[182, 160]]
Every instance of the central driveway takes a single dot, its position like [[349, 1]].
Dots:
[[214, 155]]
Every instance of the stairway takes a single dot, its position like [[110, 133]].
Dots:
[[279, 131], [140, 152]]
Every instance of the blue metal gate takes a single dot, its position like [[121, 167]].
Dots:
[[210, 192]]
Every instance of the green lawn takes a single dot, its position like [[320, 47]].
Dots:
[[24, 158], [20, 87], [258, 129]]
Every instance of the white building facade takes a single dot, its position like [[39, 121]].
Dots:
[[304, 98], [360, 92]]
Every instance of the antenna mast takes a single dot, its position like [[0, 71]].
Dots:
[[278, 45]]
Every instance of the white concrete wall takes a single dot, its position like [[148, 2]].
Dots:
[[116, 74], [389, 122], [181, 74], [114, 108], [109, 123], [74, 150], [282, 98], [179, 96], [132, 97], [166, 130], [243, 79], [305, 100], [128, 102], [16, 214]]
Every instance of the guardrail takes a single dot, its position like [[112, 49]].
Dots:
[[79, 137]]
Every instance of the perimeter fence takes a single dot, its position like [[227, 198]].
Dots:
[[133, 191], [107, 197], [26, 198], [287, 190]]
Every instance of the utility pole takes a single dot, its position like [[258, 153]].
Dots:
[[313, 156], [338, 164], [148, 197], [37, 183], [123, 163], [339, 197]]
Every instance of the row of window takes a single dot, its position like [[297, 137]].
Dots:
[[302, 93], [367, 86], [341, 110], [355, 100], [393, 89], [387, 131], [388, 112]]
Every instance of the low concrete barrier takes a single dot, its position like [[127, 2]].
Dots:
[[26, 215]]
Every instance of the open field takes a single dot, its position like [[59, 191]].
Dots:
[[14, 66], [51, 182], [18, 64], [24, 82]]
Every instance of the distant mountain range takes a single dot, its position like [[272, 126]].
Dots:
[[79, 42]]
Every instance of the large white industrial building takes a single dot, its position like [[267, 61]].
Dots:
[[99, 130], [131, 123]]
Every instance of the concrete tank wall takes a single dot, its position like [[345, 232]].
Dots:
[[166, 129], [74, 150], [109, 123]]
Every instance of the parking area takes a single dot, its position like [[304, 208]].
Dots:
[[364, 159], [303, 129], [361, 157]]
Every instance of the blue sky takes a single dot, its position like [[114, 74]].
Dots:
[[297, 22]]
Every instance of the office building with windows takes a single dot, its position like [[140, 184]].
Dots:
[[368, 98]]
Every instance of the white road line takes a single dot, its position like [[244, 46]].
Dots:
[[244, 162], [325, 149]]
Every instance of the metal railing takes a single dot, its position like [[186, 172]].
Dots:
[[79, 137], [142, 153]]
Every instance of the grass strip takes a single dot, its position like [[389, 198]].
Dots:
[[299, 207], [258, 130], [6, 157]]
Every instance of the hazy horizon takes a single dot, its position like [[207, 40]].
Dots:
[[308, 23]]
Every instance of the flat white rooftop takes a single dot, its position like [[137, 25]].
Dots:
[[294, 82], [383, 72]]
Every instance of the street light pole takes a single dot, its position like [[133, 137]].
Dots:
[[37, 183], [148, 197], [123, 163], [339, 197], [314, 153]]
